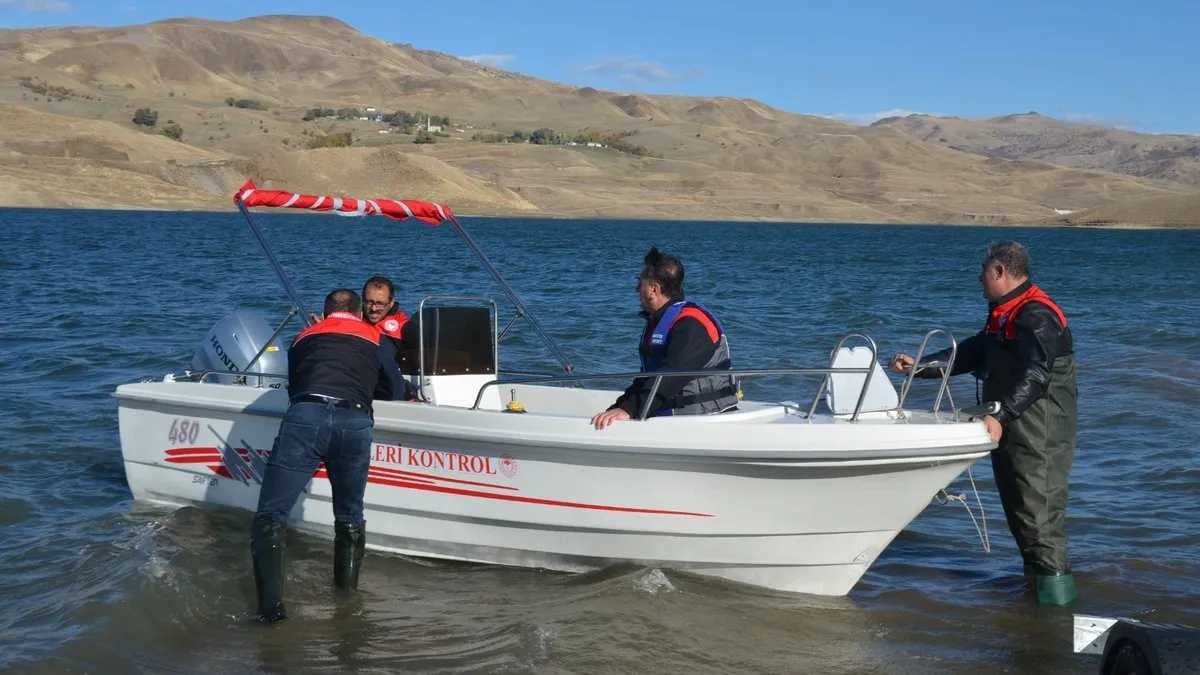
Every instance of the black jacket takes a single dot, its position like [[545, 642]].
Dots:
[[1038, 339], [689, 348], [337, 357]]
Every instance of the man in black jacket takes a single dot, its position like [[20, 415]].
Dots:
[[679, 335], [1026, 359], [333, 371]]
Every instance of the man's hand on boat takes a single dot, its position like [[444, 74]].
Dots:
[[900, 363], [607, 417], [994, 428]]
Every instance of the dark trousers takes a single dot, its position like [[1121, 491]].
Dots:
[[309, 434]]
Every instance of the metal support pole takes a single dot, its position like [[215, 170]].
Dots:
[[512, 295], [283, 278]]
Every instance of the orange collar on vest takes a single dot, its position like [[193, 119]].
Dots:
[[1001, 319]]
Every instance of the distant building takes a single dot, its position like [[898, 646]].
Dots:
[[431, 128]]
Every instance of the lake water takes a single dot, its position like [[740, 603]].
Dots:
[[91, 581]]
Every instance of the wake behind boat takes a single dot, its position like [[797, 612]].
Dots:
[[491, 467]]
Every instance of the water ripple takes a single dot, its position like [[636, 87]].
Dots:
[[96, 583]]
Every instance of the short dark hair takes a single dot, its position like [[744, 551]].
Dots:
[[380, 282], [1011, 255], [343, 300], [664, 270]]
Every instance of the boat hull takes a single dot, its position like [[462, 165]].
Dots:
[[808, 524]]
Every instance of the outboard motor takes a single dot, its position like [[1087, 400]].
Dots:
[[232, 344]]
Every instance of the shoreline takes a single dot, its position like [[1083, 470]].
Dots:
[[548, 216]]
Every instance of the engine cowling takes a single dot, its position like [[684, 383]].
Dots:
[[231, 345]]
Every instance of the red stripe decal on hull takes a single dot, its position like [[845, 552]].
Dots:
[[529, 500], [390, 477]]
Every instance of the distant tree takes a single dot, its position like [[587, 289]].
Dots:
[[543, 137], [229, 101], [424, 136], [173, 132], [333, 140], [145, 117], [248, 103]]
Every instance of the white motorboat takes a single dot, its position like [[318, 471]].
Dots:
[[793, 496]]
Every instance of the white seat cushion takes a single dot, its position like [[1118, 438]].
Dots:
[[844, 388]]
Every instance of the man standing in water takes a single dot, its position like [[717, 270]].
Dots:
[[333, 371], [1025, 357]]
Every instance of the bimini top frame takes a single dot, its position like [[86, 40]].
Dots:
[[249, 196]]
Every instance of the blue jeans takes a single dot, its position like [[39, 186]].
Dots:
[[310, 433]]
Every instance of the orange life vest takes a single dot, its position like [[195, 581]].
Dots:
[[1002, 319]]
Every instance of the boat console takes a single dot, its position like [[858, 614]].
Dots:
[[450, 352]]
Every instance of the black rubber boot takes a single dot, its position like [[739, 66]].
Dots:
[[349, 545], [267, 548]]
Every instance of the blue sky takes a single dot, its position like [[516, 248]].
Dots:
[[1113, 62]]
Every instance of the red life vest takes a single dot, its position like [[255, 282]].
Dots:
[[1002, 319], [342, 323], [392, 324]]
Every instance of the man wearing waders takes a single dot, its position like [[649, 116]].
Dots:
[[1025, 357]]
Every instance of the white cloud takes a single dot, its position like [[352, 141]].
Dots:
[[38, 5], [635, 71], [494, 60], [863, 119]]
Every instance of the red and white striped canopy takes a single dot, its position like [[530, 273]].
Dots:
[[396, 209]]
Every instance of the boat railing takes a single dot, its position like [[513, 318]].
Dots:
[[947, 368], [658, 376], [239, 378], [825, 373], [430, 301]]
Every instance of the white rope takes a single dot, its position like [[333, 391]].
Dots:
[[944, 498]]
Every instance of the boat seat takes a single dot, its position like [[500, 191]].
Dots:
[[841, 396]]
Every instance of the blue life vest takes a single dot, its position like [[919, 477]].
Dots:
[[656, 347], [706, 394]]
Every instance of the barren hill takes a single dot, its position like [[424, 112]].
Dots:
[[249, 98], [1033, 136], [1176, 210]]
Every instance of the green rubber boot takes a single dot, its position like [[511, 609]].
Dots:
[[1055, 589]]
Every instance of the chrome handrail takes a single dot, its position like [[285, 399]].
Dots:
[[421, 334], [658, 375], [862, 393], [945, 372], [199, 376]]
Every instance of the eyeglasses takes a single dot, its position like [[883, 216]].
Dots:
[[377, 303]]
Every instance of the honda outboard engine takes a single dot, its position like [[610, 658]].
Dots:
[[231, 346]]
